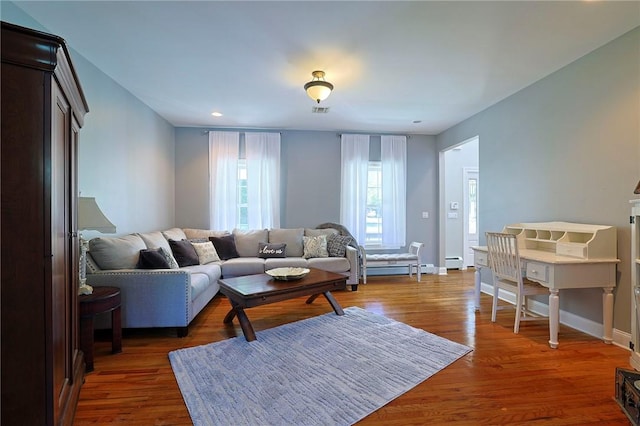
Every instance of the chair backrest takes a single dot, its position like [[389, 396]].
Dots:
[[504, 259], [414, 248]]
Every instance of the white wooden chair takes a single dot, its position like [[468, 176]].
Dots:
[[504, 261]]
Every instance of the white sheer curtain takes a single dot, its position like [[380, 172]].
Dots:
[[263, 179], [393, 153], [353, 185], [224, 149]]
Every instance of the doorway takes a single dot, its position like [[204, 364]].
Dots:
[[459, 200], [470, 181]]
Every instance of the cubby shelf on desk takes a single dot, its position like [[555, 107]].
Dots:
[[577, 240]]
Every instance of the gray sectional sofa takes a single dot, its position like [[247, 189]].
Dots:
[[171, 296]]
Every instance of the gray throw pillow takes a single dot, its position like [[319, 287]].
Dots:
[[337, 245], [184, 253], [268, 251], [153, 259], [225, 246]]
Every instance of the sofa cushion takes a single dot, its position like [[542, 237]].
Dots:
[[153, 259], [117, 252], [192, 233], [199, 283], [155, 240], [315, 246], [331, 264], [212, 270], [176, 234], [225, 246], [291, 237], [206, 252], [269, 250], [337, 244], [247, 241], [240, 266], [286, 262], [184, 253]]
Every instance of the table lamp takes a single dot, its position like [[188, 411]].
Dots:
[[90, 218]]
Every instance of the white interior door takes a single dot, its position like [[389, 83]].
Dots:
[[470, 182]]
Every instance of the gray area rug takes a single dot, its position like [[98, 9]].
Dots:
[[326, 370]]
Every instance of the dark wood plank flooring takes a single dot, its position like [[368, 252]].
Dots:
[[508, 378]]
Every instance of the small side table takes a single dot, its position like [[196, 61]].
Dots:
[[103, 299]]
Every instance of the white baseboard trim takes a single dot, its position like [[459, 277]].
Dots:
[[592, 328], [442, 271], [427, 268]]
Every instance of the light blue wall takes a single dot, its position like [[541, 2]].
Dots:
[[566, 148], [126, 152], [310, 173]]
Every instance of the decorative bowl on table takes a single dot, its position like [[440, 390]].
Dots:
[[287, 274]]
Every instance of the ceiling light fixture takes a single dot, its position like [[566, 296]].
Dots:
[[318, 89], [216, 114]]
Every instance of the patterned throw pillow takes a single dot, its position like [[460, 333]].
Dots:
[[173, 263], [268, 251], [315, 246], [206, 252], [337, 245]]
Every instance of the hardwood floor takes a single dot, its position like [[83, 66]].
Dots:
[[507, 379]]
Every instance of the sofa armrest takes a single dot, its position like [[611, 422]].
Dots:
[[354, 260], [150, 298]]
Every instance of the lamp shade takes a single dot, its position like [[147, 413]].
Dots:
[[90, 217], [318, 89]]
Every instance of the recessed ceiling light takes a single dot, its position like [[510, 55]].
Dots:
[[216, 114]]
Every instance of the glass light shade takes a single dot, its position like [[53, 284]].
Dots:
[[318, 90]]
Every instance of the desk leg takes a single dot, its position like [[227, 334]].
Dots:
[[476, 276], [607, 314], [554, 317]]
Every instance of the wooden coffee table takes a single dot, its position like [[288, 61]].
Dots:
[[262, 289]]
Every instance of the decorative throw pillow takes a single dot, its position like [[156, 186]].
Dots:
[[157, 240], [315, 246], [268, 251], [206, 252], [184, 253], [225, 246], [152, 259], [173, 263], [337, 245]]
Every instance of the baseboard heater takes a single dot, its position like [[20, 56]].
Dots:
[[453, 262]]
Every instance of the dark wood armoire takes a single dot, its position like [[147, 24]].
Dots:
[[42, 108]]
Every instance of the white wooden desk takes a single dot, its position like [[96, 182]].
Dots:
[[558, 272]]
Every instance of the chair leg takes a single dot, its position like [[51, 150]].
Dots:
[[494, 308], [519, 302]]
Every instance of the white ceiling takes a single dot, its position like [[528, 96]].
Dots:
[[392, 62]]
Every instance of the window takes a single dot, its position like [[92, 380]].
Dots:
[[373, 235], [243, 214], [373, 193], [244, 192]]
